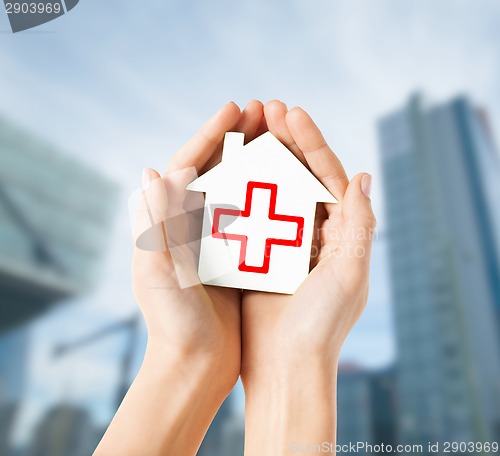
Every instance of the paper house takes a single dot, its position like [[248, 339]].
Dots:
[[258, 221]]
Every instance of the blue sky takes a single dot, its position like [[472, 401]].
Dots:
[[121, 85]]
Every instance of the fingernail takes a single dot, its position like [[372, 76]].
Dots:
[[366, 185], [146, 178]]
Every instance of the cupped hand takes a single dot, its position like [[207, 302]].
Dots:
[[193, 322], [283, 332]]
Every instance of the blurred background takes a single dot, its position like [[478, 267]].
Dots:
[[408, 91]]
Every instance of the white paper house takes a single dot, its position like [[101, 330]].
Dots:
[[258, 219]]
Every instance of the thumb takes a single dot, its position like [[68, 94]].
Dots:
[[160, 239], [359, 220], [151, 213], [357, 202]]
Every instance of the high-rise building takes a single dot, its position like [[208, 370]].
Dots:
[[65, 430], [13, 348], [55, 216], [442, 190], [365, 405], [213, 443]]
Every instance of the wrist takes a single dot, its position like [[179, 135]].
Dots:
[[290, 405], [197, 367], [290, 377], [170, 406], [262, 364]]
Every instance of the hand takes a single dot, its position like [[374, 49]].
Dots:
[[192, 360], [291, 343], [197, 321]]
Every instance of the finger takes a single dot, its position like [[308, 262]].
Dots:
[[263, 128], [200, 148], [249, 122], [275, 113], [169, 231], [324, 164], [151, 213], [359, 221], [250, 119]]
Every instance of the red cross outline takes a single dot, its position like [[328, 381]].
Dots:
[[297, 242]]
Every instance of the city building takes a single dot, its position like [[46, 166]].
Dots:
[[65, 430], [55, 216], [442, 188], [233, 436], [365, 405], [13, 347], [224, 422]]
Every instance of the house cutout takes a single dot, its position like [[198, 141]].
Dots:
[[260, 204]]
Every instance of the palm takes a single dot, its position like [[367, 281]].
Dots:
[[195, 318]]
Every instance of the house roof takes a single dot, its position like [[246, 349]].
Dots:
[[264, 156]]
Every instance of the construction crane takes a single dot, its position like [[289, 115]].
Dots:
[[132, 326]]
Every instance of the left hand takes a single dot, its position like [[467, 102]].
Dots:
[[193, 354], [196, 322]]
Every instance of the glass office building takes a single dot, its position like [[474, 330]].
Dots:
[[54, 222], [442, 189], [365, 406], [55, 216]]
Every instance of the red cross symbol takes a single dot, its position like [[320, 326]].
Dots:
[[278, 228]]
